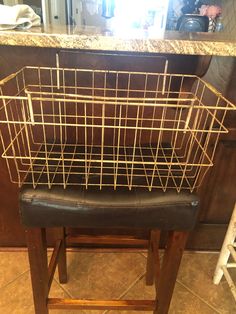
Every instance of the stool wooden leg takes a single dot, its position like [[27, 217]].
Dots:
[[62, 265], [37, 251], [153, 261], [169, 271]]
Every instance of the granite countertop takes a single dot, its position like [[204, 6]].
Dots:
[[91, 38]]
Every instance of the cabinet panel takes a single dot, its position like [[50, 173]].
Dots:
[[218, 194]]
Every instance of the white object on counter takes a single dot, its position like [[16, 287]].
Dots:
[[18, 16]]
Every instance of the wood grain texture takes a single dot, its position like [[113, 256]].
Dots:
[[136, 305], [107, 239], [62, 260], [170, 265], [37, 251], [153, 258]]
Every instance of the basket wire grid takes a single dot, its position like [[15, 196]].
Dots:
[[62, 126]]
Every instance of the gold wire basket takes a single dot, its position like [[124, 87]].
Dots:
[[62, 126]]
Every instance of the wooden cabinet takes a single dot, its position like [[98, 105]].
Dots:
[[218, 193]]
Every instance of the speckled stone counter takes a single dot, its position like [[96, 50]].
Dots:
[[91, 38]]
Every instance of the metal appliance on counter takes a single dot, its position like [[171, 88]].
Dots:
[[193, 23]]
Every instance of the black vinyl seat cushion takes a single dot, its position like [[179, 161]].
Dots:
[[94, 208]]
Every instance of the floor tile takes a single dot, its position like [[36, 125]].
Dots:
[[196, 272], [16, 297], [114, 275], [11, 267], [183, 301], [102, 275]]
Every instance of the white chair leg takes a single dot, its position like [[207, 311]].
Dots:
[[230, 281], [225, 253]]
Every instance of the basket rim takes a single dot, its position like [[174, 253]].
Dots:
[[208, 85]]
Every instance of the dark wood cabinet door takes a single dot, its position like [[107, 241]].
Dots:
[[219, 192]]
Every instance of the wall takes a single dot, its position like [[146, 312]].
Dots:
[[229, 16], [36, 3], [222, 69]]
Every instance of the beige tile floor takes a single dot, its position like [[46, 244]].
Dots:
[[116, 275]]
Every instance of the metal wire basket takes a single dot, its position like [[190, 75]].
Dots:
[[63, 126]]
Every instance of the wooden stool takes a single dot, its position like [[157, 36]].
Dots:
[[75, 207]]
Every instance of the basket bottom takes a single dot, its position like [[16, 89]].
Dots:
[[140, 167]]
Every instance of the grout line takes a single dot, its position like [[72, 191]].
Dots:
[[214, 252], [197, 296], [16, 278], [143, 254], [132, 285], [128, 289], [63, 288]]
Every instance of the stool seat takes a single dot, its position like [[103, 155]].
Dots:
[[155, 211], [95, 208]]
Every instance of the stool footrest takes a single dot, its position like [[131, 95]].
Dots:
[[107, 239], [137, 305]]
